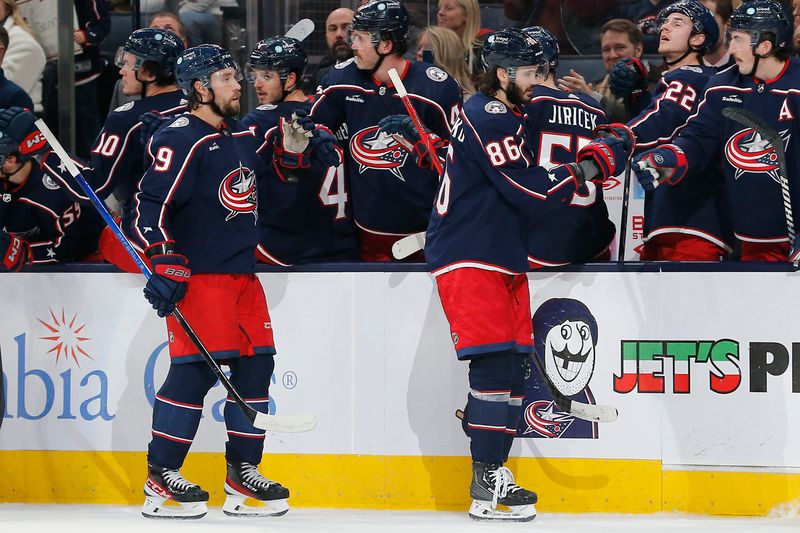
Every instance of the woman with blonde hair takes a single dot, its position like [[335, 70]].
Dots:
[[24, 58], [464, 18], [447, 53]]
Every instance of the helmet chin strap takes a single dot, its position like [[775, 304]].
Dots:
[[213, 104], [683, 56], [8, 176]]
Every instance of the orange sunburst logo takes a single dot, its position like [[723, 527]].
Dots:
[[66, 337]]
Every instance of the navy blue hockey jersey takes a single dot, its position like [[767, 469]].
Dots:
[[697, 205], [560, 124], [491, 186], [117, 157], [304, 214], [200, 192], [391, 194], [58, 228], [748, 161]]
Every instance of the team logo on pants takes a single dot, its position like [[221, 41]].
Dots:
[[374, 149], [565, 337], [237, 192], [747, 151]]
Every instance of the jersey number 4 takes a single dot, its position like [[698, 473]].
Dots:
[[338, 198]]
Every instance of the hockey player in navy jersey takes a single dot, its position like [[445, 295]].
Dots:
[[391, 194], [764, 81], [196, 217], [304, 212], [477, 248], [689, 221], [560, 124], [40, 222]]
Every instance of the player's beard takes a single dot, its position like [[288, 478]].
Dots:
[[515, 94], [227, 109]]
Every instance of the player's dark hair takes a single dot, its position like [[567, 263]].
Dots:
[[163, 77], [724, 10], [488, 83], [399, 48], [3, 37], [193, 100]]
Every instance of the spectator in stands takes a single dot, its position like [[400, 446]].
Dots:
[[796, 13], [644, 13], [442, 47], [338, 48], [24, 59], [164, 20], [11, 94], [203, 20], [718, 56], [464, 18], [619, 39]]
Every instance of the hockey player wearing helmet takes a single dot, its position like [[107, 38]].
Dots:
[[763, 81]]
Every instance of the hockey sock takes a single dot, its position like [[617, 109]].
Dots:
[[487, 405], [177, 411], [251, 377], [522, 367]]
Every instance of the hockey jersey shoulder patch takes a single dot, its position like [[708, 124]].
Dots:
[[267, 107], [692, 68], [436, 74], [125, 107], [179, 122], [49, 183], [495, 108]]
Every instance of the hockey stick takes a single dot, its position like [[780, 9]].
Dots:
[[300, 30], [749, 120], [412, 113], [584, 411], [292, 424], [623, 223], [412, 244]]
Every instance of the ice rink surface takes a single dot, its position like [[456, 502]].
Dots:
[[110, 519]]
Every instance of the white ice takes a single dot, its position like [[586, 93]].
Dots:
[[18, 518]]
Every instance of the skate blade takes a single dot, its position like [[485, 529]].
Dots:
[[483, 512], [155, 508], [235, 505]]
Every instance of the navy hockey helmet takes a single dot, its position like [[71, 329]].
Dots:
[[759, 17], [548, 42], [200, 62], [512, 48], [382, 19], [702, 18], [283, 54], [162, 47]]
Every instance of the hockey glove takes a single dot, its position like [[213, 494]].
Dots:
[[628, 77], [20, 132], [324, 148], [653, 167], [294, 136], [401, 125], [152, 122], [609, 154], [402, 129], [168, 283], [16, 252]]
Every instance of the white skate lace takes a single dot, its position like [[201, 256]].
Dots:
[[251, 474], [175, 481], [503, 481]]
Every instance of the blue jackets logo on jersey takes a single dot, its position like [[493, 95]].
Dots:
[[237, 192], [747, 151], [565, 335], [374, 149]]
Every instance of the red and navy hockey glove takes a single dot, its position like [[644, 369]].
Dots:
[[168, 283], [324, 148], [20, 132], [653, 167], [628, 77], [610, 154], [619, 130], [16, 252], [402, 129], [152, 122], [401, 125]]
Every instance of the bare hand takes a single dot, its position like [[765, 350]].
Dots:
[[80, 37], [574, 82]]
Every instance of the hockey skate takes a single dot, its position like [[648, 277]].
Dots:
[[165, 484], [245, 481], [493, 485]]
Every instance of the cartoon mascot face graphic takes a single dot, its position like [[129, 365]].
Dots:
[[565, 333]]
